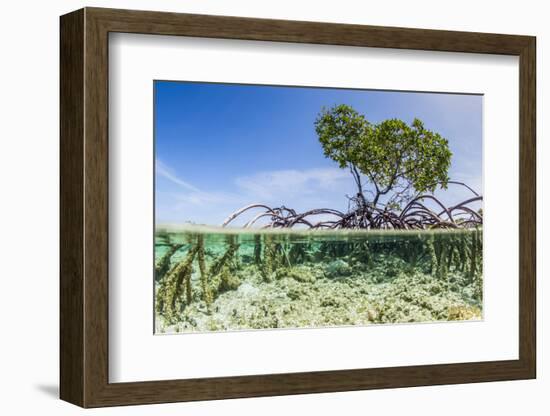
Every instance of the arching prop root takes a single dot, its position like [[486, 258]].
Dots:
[[416, 215]]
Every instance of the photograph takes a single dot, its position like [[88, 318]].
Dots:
[[311, 207], [279, 205]]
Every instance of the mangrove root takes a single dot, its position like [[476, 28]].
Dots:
[[415, 215]]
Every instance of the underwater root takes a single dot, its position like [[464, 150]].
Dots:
[[175, 287], [163, 265]]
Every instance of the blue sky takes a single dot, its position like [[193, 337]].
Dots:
[[222, 146]]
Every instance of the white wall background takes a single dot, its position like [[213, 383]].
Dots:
[[29, 208]]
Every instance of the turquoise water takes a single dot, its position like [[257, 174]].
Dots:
[[213, 279]]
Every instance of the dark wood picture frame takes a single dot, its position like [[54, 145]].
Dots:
[[84, 207]]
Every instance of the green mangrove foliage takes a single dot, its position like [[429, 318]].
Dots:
[[392, 155], [396, 168]]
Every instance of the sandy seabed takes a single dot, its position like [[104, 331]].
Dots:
[[331, 294]]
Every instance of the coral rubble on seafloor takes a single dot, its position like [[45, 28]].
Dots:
[[270, 281]]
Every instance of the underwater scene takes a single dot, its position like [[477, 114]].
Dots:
[[312, 207], [222, 279]]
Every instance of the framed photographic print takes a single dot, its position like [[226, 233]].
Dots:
[[255, 207]]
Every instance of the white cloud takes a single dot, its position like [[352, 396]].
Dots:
[[301, 190], [281, 185], [298, 189], [201, 198], [166, 172]]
